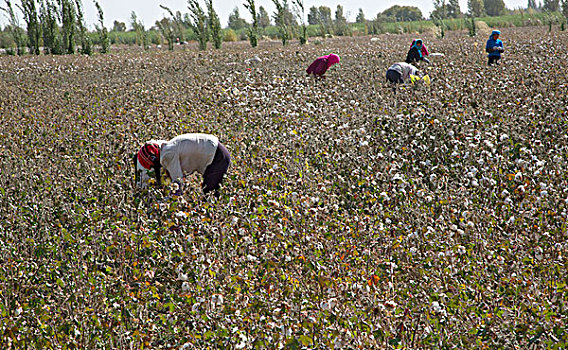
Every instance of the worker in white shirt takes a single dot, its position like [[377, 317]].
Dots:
[[400, 72], [181, 155]]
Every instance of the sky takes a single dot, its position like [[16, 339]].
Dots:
[[149, 11]]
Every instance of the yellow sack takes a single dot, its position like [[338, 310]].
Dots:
[[415, 78]]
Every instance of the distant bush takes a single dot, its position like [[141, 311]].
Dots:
[[230, 35]]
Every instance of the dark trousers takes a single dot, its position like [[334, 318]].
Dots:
[[214, 173], [493, 60], [394, 77]]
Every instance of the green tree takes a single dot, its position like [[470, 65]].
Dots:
[[166, 28], [360, 17], [532, 4], [69, 23], [198, 23], [551, 5], [340, 23], [440, 10], [214, 25], [313, 16], [118, 26], [171, 28], [86, 43], [494, 7], [398, 13], [138, 27], [476, 8], [29, 9], [453, 9], [252, 31], [263, 17], [102, 30], [280, 20], [14, 27], [235, 20], [301, 12], [50, 28], [565, 8]]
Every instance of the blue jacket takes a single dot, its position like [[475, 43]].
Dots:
[[491, 43]]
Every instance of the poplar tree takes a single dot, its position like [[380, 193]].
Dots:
[[86, 43], [252, 31], [50, 28], [280, 20], [14, 27], [198, 23], [102, 30], [29, 9], [301, 12], [214, 25]]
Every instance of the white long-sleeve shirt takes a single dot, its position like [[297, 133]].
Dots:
[[405, 69], [187, 153]]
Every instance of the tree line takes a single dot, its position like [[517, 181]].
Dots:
[[58, 27]]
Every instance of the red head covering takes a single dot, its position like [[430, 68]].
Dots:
[[332, 59], [149, 155]]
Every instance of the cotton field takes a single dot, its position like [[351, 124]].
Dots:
[[352, 216]]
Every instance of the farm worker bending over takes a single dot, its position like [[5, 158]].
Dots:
[[494, 47], [415, 53], [322, 64], [185, 154], [400, 72]]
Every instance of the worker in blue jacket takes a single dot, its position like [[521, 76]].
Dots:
[[494, 47]]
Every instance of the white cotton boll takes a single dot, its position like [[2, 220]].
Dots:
[[519, 177], [182, 277], [433, 177], [217, 299], [505, 193], [461, 250], [384, 196], [363, 143], [235, 221], [390, 304], [543, 193], [508, 201], [251, 258], [511, 220], [451, 133], [181, 215], [185, 287], [397, 177], [474, 183], [243, 341], [503, 137], [543, 186], [436, 307]]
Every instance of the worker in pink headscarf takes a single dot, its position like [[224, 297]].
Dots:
[[322, 64]]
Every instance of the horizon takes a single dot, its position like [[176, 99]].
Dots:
[[149, 12]]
